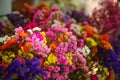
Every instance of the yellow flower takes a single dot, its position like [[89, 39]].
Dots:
[[106, 71], [25, 55], [8, 57], [44, 37], [102, 78], [51, 59], [19, 53], [91, 42], [69, 55]]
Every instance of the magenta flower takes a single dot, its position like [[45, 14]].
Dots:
[[51, 34], [93, 77], [30, 25]]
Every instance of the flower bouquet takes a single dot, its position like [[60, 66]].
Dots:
[[35, 54]]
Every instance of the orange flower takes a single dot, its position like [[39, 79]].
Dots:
[[111, 76], [22, 34], [4, 46], [9, 43], [66, 36], [0, 54], [27, 46], [27, 6], [89, 29], [12, 41], [41, 6], [105, 44], [60, 39], [53, 46], [104, 37]]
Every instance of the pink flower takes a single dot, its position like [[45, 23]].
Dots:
[[85, 69], [56, 69], [38, 35], [17, 30], [51, 34], [63, 60], [73, 68]]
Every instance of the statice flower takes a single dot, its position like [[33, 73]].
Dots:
[[27, 71], [79, 16], [58, 29], [72, 44], [30, 25], [1, 70], [62, 48], [16, 19], [51, 34], [44, 17], [38, 44], [66, 18]]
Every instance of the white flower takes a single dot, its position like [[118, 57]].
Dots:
[[56, 23], [85, 50], [36, 29], [76, 28], [30, 31]]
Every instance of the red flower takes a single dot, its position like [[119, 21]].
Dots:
[[93, 77]]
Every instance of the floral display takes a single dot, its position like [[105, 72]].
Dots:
[[53, 53], [44, 43]]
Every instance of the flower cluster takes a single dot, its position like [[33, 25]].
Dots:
[[91, 41], [56, 50], [16, 19], [46, 45]]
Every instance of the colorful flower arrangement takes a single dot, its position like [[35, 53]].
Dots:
[[45, 46], [53, 54]]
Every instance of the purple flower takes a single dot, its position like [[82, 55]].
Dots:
[[25, 70], [66, 18], [16, 19]]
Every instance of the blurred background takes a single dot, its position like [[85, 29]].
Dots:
[[7, 6]]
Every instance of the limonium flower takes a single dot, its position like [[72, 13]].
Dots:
[[26, 55], [44, 37], [8, 57], [39, 46], [16, 19], [85, 50], [76, 28], [25, 70], [51, 59], [69, 55], [91, 42], [51, 34], [30, 25], [9, 43]]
